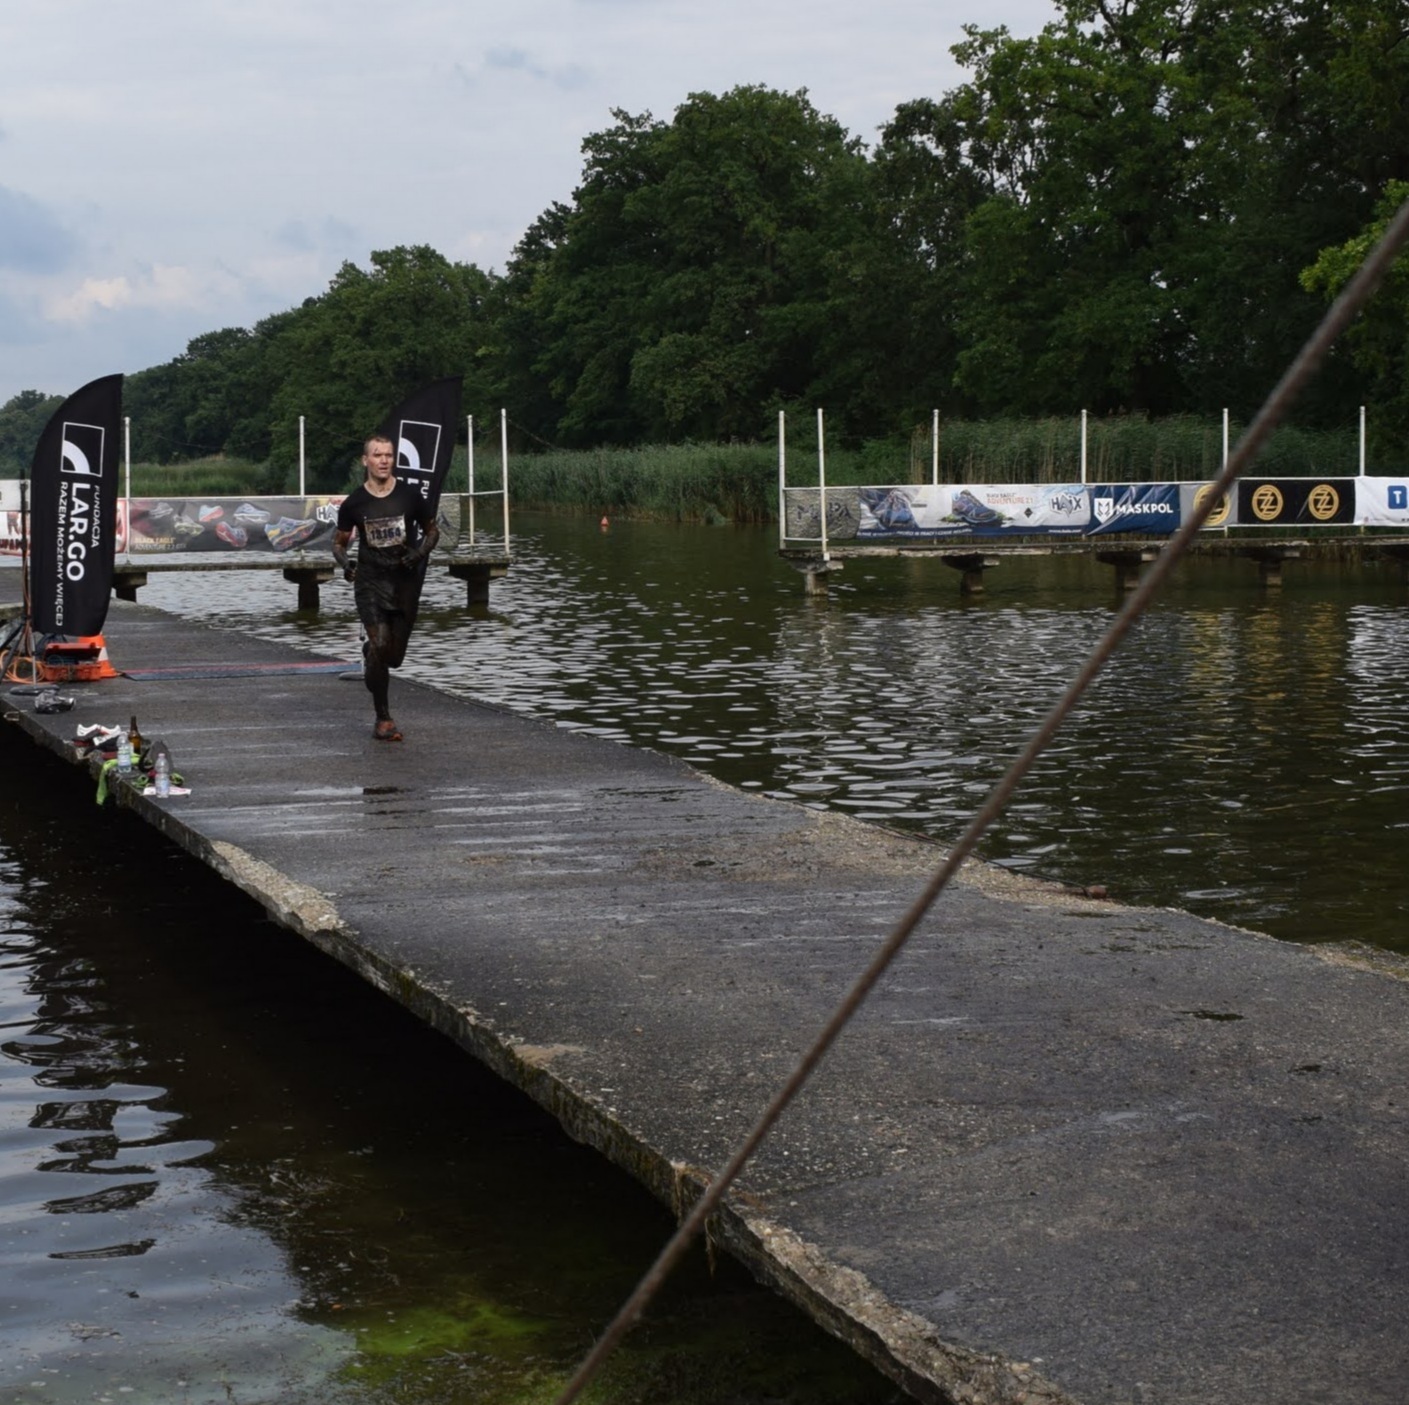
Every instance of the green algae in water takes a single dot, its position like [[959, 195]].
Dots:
[[740, 1351]]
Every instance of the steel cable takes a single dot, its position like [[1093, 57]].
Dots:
[[1307, 361]]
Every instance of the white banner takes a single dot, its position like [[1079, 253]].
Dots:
[[1382, 502], [984, 509]]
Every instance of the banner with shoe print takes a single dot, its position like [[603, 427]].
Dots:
[[279, 525]]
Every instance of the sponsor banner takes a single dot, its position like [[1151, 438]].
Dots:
[[423, 428], [1382, 502], [969, 510], [73, 510], [803, 513], [1148, 508], [1296, 502], [9, 494], [1191, 496], [156, 526]]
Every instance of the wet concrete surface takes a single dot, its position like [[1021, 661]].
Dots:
[[1068, 1150]]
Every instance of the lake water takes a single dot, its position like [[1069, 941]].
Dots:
[[255, 1180], [1245, 756]]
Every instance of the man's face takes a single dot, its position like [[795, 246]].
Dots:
[[379, 460]]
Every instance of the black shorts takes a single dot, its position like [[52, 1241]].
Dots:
[[384, 597]]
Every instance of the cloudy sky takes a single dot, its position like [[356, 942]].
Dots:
[[167, 169]]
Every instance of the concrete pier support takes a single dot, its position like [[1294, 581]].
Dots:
[[127, 581], [971, 565], [308, 579], [1270, 559], [815, 570], [1127, 565], [477, 576]]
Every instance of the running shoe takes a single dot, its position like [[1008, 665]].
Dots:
[[289, 532], [251, 515], [892, 510], [969, 509], [232, 536], [385, 731], [183, 527], [211, 513]]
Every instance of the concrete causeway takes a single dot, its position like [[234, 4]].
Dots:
[[1069, 1151]]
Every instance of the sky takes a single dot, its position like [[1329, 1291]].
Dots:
[[169, 169]]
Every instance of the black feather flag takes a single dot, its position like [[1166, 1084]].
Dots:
[[74, 511]]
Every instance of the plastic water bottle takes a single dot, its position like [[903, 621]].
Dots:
[[161, 774], [124, 756]]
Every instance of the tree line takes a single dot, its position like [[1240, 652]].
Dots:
[[1141, 210]]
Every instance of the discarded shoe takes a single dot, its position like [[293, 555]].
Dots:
[[51, 700], [385, 731], [98, 737]]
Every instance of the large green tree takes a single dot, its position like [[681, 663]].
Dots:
[[376, 335], [1120, 205], [22, 421], [694, 282], [1377, 342]]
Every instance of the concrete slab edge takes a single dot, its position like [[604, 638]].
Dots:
[[900, 1344]]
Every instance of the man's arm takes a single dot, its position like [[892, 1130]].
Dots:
[[341, 540], [430, 534]]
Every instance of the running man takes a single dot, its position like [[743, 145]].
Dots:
[[398, 532]]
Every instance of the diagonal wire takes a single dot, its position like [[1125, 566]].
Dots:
[[1303, 367]]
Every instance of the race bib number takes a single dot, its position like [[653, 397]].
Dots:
[[384, 532]]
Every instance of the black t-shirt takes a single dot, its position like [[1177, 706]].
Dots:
[[387, 526]]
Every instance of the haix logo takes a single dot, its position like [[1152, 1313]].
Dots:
[[1066, 503], [416, 447]]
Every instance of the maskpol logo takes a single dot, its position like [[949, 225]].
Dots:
[[1109, 509]]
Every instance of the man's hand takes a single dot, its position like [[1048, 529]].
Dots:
[[349, 571]]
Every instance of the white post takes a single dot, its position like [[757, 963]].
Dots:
[[1083, 446], [504, 461], [822, 482], [782, 484], [300, 456], [1362, 441], [127, 489], [1225, 436], [934, 450], [470, 471]]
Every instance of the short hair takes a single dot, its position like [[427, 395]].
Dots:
[[377, 439]]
